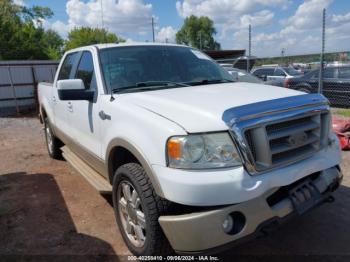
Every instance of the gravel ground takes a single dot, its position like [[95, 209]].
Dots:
[[47, 208]]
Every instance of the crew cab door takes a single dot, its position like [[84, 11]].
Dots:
[[60, 107], [83, 114]]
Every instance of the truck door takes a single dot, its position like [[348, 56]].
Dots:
[[83, 115], [61, 107]]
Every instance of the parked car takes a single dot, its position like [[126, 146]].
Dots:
[[243, 76], [275, 73], [336, 84], [194, 160]]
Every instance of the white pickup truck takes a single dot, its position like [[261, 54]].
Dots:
[[195, 162]]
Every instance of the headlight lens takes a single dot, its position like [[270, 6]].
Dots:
[[202, 151]]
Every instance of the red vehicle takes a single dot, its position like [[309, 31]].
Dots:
[[342, 128]]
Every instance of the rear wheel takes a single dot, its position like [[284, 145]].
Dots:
[[137, 209], [53, 144]]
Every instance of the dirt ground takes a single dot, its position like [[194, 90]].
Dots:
[[47, 208]]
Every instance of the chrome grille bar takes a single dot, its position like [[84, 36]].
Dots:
[[282, 132]]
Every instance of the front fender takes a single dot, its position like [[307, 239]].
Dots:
[[120, 142]]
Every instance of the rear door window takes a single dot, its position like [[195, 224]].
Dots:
[[344, 73], [329, 73], [85, 70], [269, 71], [279, 72], [67, 66]]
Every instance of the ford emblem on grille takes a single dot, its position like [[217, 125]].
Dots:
[[297, 139]]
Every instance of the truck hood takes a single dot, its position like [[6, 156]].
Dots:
[[200, 108]]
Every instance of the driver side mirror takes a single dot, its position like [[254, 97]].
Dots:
[[73, 89]]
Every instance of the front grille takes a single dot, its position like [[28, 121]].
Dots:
[[285, 141]]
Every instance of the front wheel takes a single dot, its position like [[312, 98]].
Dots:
[[137, 209]]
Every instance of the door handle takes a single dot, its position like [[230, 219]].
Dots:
[[104, 116], [70, 106], [54, 99]]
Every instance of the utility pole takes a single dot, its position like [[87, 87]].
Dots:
[[249, 46], [283, 51], [102, 22], [320, 75], [200, 40], [153, 29]]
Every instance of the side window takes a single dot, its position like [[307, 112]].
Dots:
[[269, 71], [344, 73], [67, 65], [85, 70], [279, 72], [329, 73], [258, 72]]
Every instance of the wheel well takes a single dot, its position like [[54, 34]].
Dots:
[[118, 157]]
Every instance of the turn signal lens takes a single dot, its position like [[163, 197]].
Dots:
[[174, 149]]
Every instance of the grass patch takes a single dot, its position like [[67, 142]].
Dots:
[[342, 112]]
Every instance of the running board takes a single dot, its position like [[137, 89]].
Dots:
[[94, 178]]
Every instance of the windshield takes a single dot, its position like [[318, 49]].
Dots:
[[133, 66], [291, 71]]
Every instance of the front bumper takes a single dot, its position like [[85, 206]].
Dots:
[[234, 185], [203, 232]]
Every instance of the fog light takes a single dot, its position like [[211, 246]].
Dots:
[[228, 224]]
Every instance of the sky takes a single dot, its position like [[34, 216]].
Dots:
[[294, 26]]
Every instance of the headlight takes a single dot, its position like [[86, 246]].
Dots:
[[202, 151]]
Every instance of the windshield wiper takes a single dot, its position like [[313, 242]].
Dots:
[[210, 81], [148, 85]]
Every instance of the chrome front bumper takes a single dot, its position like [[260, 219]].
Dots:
[[203, 231]]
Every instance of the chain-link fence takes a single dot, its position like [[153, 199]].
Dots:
[[18, 84], [303, 72]]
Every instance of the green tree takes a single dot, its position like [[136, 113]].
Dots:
[[88, 36], [52, 44], [19, 37], [198, 32]]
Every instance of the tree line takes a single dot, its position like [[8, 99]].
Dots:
[[23, 37]]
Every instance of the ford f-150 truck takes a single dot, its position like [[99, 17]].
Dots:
[[195, 161]]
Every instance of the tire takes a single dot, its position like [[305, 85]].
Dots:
[[137, 209], [53, 144]]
